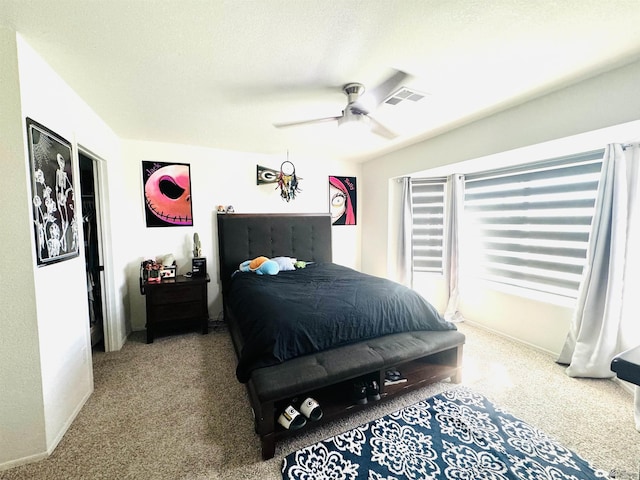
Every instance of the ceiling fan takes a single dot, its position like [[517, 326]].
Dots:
[[360, 105]]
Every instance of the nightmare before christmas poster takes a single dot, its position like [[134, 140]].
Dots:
[[53, 197], [342, 200], [167, 194]]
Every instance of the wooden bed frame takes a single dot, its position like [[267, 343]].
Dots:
[[422, 357]]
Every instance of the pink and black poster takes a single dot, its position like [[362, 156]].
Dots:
[[167, 194], [342, 200]]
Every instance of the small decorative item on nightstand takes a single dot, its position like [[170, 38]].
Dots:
[[150, 272], [197, 248], [168, 271], [199, 267], [198, 263], [154, 275]]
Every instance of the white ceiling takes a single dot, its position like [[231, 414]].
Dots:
[[219, 73]]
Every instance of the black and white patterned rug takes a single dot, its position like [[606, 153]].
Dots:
[[457, 435]]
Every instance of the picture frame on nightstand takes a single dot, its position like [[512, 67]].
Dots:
[[199, 267]]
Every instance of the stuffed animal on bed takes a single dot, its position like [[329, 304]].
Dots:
[[261, 266]]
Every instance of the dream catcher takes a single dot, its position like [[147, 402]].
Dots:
[[287, 181]]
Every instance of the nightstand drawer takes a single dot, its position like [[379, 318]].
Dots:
[[177, 293], [178, 311]]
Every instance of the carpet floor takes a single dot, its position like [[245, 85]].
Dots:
[[174, 410]]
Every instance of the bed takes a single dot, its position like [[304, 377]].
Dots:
[[319, 330]]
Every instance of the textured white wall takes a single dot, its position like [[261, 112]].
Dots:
[[65, 347], [22, 412]]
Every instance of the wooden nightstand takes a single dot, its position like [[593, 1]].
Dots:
[[175, 304]]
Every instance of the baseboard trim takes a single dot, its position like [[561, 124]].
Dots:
[[23, 461], [480, 326]]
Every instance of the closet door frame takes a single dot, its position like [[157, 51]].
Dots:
[[110, 332]]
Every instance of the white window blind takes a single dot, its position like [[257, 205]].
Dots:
[[529, 226], [427, 197]]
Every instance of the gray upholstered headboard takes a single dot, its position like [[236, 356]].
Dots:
[[244, 236]]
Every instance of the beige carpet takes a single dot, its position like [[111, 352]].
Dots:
[[173, 410]]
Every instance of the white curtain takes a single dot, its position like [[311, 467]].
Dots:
[[404, 266], [454, 206], [605, 322]]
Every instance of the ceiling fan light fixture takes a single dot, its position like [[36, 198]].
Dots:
[[353, 123]]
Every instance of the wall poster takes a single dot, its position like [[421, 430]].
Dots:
[[167, 194], [52, 195], [342, 200]]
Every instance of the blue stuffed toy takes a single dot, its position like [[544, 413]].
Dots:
[[261, 266]]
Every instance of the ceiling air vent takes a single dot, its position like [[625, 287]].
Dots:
[[403, 94]]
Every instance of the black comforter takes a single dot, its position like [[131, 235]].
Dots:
[[322, 306]]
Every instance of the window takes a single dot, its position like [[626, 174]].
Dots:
[[427, 197], [529, 226]]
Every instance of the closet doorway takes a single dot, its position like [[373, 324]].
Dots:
[[92, 229]]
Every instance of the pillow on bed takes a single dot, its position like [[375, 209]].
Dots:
[[285, 263]]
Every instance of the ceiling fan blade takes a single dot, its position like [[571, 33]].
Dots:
[[379, 129], [372, 98], [306, 122]]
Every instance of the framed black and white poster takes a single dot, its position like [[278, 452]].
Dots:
[[52, 195], [167, 194]]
